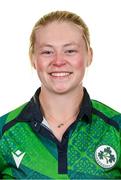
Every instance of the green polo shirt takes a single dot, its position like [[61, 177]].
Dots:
[[90, 147]]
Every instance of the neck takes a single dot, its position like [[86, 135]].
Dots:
[[57, 107]]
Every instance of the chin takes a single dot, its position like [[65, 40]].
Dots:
[[58, 89], [62, 90]]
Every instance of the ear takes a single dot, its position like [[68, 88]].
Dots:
[[33, 61], [90, 56]]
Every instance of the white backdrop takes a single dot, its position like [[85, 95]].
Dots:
[[18, 81]]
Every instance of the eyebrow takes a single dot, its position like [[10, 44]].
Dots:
[[71, 44], [65, 45], [45, 45]]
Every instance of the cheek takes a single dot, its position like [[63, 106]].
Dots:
[[39, 65], [79, 64]]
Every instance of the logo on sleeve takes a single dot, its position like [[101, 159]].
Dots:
[[18, 156], [105, 156]]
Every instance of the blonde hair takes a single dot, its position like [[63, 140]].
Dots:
[[59, 16]]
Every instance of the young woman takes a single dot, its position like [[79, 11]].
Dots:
[[61, 133]]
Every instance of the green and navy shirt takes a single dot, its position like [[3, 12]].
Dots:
[[90, 147]]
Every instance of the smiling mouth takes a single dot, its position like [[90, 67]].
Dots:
[[60, 74]]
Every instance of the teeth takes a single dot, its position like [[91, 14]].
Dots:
[[60, 74]]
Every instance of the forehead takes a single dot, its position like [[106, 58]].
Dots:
[[59, 32]]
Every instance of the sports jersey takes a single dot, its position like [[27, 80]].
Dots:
[[90, 147]]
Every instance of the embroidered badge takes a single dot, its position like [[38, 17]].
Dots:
[[105, 156]]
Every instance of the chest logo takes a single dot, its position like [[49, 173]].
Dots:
[[18, 156], [105, 156]]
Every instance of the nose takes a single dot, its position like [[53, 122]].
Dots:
[[59, 60]]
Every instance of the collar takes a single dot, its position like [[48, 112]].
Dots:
[[86, 107], [35, 116]]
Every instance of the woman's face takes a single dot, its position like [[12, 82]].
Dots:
[[60, 56]]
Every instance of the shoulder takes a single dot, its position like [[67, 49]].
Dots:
[[110, 112], [107, 113], [10, 116]]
